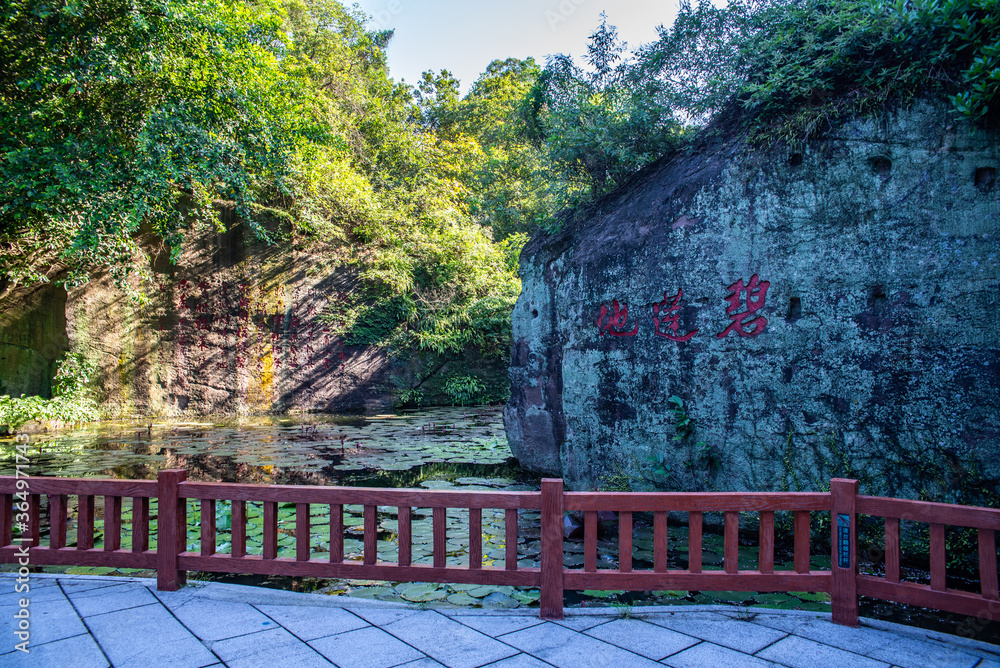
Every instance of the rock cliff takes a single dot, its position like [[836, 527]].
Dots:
[[233, 327], [829, 309]]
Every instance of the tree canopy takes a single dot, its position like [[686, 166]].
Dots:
[[122, 116]]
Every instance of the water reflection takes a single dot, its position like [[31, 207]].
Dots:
[[386, 450]]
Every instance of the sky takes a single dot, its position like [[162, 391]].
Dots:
[[464, 36]]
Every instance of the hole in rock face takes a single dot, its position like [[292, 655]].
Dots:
[[795, 159], [986, 178], [881, 166], [534, 313], [878, 298], [794, 309]]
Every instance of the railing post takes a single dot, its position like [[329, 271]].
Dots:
[[844, 594], [552, 549], [171, 534]]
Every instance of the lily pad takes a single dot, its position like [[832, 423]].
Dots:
[[500, 600], [461, 598], [809, 596], [730, 596], [598, 593], [421, 592]]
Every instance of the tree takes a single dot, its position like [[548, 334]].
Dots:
[[120, 113], [602, 124]]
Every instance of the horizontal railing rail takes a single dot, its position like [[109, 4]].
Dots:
[[152, 516], [936, 594]]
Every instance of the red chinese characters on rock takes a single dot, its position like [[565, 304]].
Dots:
[[615, 323], [668, 309], [752, 295]]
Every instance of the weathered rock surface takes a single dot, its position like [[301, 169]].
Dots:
[[233, 327], [828, 310]]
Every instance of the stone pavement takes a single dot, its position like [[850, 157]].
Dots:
[[92, 621]]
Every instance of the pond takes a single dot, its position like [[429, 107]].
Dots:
[[440, 448]]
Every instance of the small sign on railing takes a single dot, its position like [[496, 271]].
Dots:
[[844, 541]]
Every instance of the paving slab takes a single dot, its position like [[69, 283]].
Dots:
[[274, 648], [311, 623], [50, 619], [78, 652], [218, 620], [797, 652], [566, 648], [10, 597], [383, 616], [101, 600], [425, 662], [719, 629], [367, 648], [148, 636], [860, 640], [641, 637], [207, 624], [77, 586], [914, 653], [581, 622], [495, 625], [519, 661], [705, 654], [453, 644]]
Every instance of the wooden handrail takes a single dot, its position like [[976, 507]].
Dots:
[[21, 498]]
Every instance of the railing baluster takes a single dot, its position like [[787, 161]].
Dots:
[[207, 527], [660, 544], [440, 539], [475, 538], [182, 524], [694, 541], [371, 535], [590, 541], [802, 536], [403, 520], [57, 520], [988, 564], [892, 549], [238, 530], [270, 530], [302, 547], [140, 523], [624, 542], [35, 514], [765, 552], [938, 558], [731, 543], [510, 540], [112, 523], [85, 522], [6, 508], [336, 533]]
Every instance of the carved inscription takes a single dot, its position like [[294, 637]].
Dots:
[[743, 299]]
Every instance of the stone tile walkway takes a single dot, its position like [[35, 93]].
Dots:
[[94, 622]]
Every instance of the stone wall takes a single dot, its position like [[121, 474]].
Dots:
[[826, 310]]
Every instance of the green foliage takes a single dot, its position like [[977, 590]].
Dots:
[[701, 460], [116, 114], [797, 66], [464, 390], [71, 402], [602, 124]]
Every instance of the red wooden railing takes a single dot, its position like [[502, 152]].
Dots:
[[20, 502]]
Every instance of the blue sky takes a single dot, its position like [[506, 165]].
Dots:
[[463, 36]]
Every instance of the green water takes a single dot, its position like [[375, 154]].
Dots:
[[443, 448]]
